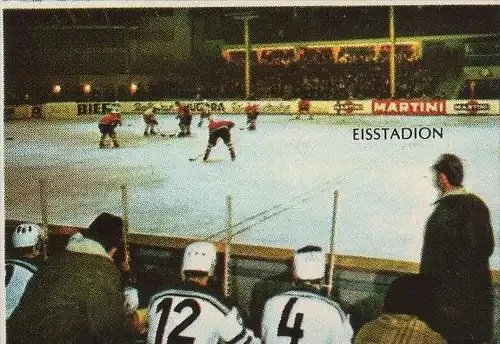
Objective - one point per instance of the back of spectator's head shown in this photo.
(409, 294)
(106, 229)
(309, 264)
(199, 260)
(451, 166)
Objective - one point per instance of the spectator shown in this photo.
(193, 312)
(407, 303)
(303, 313)
(21, 268)
(77, 296)
(457, 245)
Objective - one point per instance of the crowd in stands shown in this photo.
(317, 73)
(482, 89)
(334, 73)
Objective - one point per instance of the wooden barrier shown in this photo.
(264, 253)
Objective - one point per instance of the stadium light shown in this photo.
(56, 89)
(133, 88)
(87, 88)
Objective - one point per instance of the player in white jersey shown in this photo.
(303, 315)
(18, 271)
(193, 313)
(150, 120)
(204, 112)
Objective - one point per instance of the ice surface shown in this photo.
(285, 173)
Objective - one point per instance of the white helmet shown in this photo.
(309, 263)
(26, 235)
(199, 256)
(131, 300)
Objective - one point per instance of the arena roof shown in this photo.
(280, 24)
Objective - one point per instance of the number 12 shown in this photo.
(174, 336)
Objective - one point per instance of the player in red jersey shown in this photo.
(304, 108)
(185, 118)
(222, 129)
(107, 125)
(252, 112)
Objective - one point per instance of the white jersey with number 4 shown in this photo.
(192, 317)
(303, 317)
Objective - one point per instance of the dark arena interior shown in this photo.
(351, 107)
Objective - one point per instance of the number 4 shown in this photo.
(295, 332)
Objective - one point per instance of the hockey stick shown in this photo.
(169, 133)
(45, 218)
(227, 243)
(126, 263)
(196, 157)
(331, 264)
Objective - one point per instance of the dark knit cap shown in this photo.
(106, 229)
(409, 294)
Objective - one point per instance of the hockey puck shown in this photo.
(10, 138)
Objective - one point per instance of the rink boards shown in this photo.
(359, 281)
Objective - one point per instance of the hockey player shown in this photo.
(304, 108)
(19, 270)
(149, 117)
(193, 313)
(205, 112)
(303, 315)
(107, 125)
(252, 112)
(222, 129)
(185, 118)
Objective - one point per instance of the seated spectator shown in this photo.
(20, 268)
(194, 312)
(303, 314)
(404, 317)
(76, 296)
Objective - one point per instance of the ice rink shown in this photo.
(281, 184)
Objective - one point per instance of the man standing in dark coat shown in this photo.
(455, 257)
